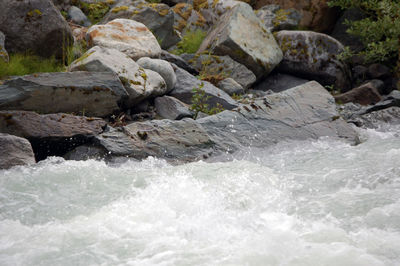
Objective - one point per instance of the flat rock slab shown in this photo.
(15, 151)
(95, 94)
(365, 94)
(171, 108)
(241, 35)
(128, 36)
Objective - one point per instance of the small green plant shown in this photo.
(379, 31)
(94, 11)
(199, 102)
(190, 42)
(23, 64)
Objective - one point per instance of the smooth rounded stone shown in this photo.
(139, 83)
(241, 35)
(158, 17)
(36, 26)
(3, 52)
(94, 93)
(51, 134)
(313, 55)
(128, 36)
(230, 86)
(365, 94)
(186, 83)
(15, 151)
(222, 66)
(171, 108)
(278, 82)
(316, 15)
(76, 15)
(162, 67)
(179, 61)
(274, 18)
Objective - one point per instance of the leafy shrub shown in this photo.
(199, 103)
(379, 31)
(190, 42)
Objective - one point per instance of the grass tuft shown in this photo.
(191, 42)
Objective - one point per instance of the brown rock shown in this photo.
(366, 94)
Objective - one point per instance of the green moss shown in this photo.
(94, 11)
(191, 42)
(119, 8)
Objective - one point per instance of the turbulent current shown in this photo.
(317, 202)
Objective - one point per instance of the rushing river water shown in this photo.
(320, 202)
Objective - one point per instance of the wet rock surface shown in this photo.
(15, 151)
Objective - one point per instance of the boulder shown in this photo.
(378, 119)
(96, 94)
(3, 52)
(162, 67)
(171, 108)
(313, 55)
(128, 36)
(231, 87)
(379, 71)
(365, 94)
(241, 35)
(76, 15)
(179, 61)
(316, 15)
(86, 152)
(51, 134)
(278, 82)
(36, 26)
(222, 66)
(139, 83)
(15, 151)
(186, 83)
(157, 17)
(274, 18)
(186, 18)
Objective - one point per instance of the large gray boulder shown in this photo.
(140, 83)
(51, 134)
(313, 55)
(223, 66)
(241, 35)
(186, 83)
(171, 108)
(156, 16)
(128, 36)
(76, 15)
(15, 151)
(304, 112)
(162, 67)
(36, 26)
(96, 94)
(3, 52)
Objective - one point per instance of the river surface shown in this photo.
(320, 202)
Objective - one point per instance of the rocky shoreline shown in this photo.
(260, 79)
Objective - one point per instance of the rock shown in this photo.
(139, 83)
(379, 119)
(3, 52)
(156, 16)
(231, 87)
(186, 18)
(393, 99)
(316, 15)
(179, 61)
(312, 55)
(182, 140)
(186, 83)
(52, 134)
(95, 94)
(278, 82)
(36, 26)
(171, 108)
(365, 94)
(241, 35)
(15, 151)
(76, 15)
(222, 66)
(162, 67)
(274, 18)
(128, 36)
(341, 27)
(304, 112)
(379, 71)
(86, 152)
(360, 74)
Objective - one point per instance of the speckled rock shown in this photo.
(128, 36)
(241, 35)
(274, 18)
(140, 83)
(313, 55)
(15, 151)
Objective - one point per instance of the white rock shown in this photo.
(162, 67)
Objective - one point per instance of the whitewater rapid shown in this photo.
(317, 202)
